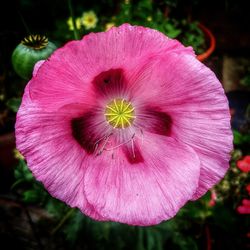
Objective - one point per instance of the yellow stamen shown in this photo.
(120, 113)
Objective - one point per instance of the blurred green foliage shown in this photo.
(154, 14)
(13, 103)
(150, 14)
(245, 81)
(240, 138)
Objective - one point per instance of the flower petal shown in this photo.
(243, 210)
(53, 155)
(153, 120)
(244, 164)
(193, 97)
(69, 73)
(37, 67)
(143, 192)
(126, 43)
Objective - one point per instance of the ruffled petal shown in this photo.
(147, 191)
(58, 82)
(126, 43)
(69, 73)
(194, 99)
(54, 157)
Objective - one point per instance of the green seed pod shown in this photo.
(31, 50)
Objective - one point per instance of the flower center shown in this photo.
(120, 113)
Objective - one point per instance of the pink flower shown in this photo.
(244, 164)
(127, 125)
(245, 207)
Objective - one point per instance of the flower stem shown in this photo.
(23, 22)
(76, 35)
(16, 183)
(62, 221)
(140, 245)
(208, 236)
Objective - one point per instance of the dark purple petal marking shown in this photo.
(157, 122)
(111, 81)
(82, 133)
(132, 154)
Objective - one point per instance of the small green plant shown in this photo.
(245, 81)
(148, 14)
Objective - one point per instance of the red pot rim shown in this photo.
(212, 42)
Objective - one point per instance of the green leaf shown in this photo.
(22, 172)
(74, 227)
(13, 104)
(237, 137)
(240, 139)
(245, 81)
(30, 196)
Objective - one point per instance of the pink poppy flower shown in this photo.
(245, 207)
(244, 164)
(127, 125)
